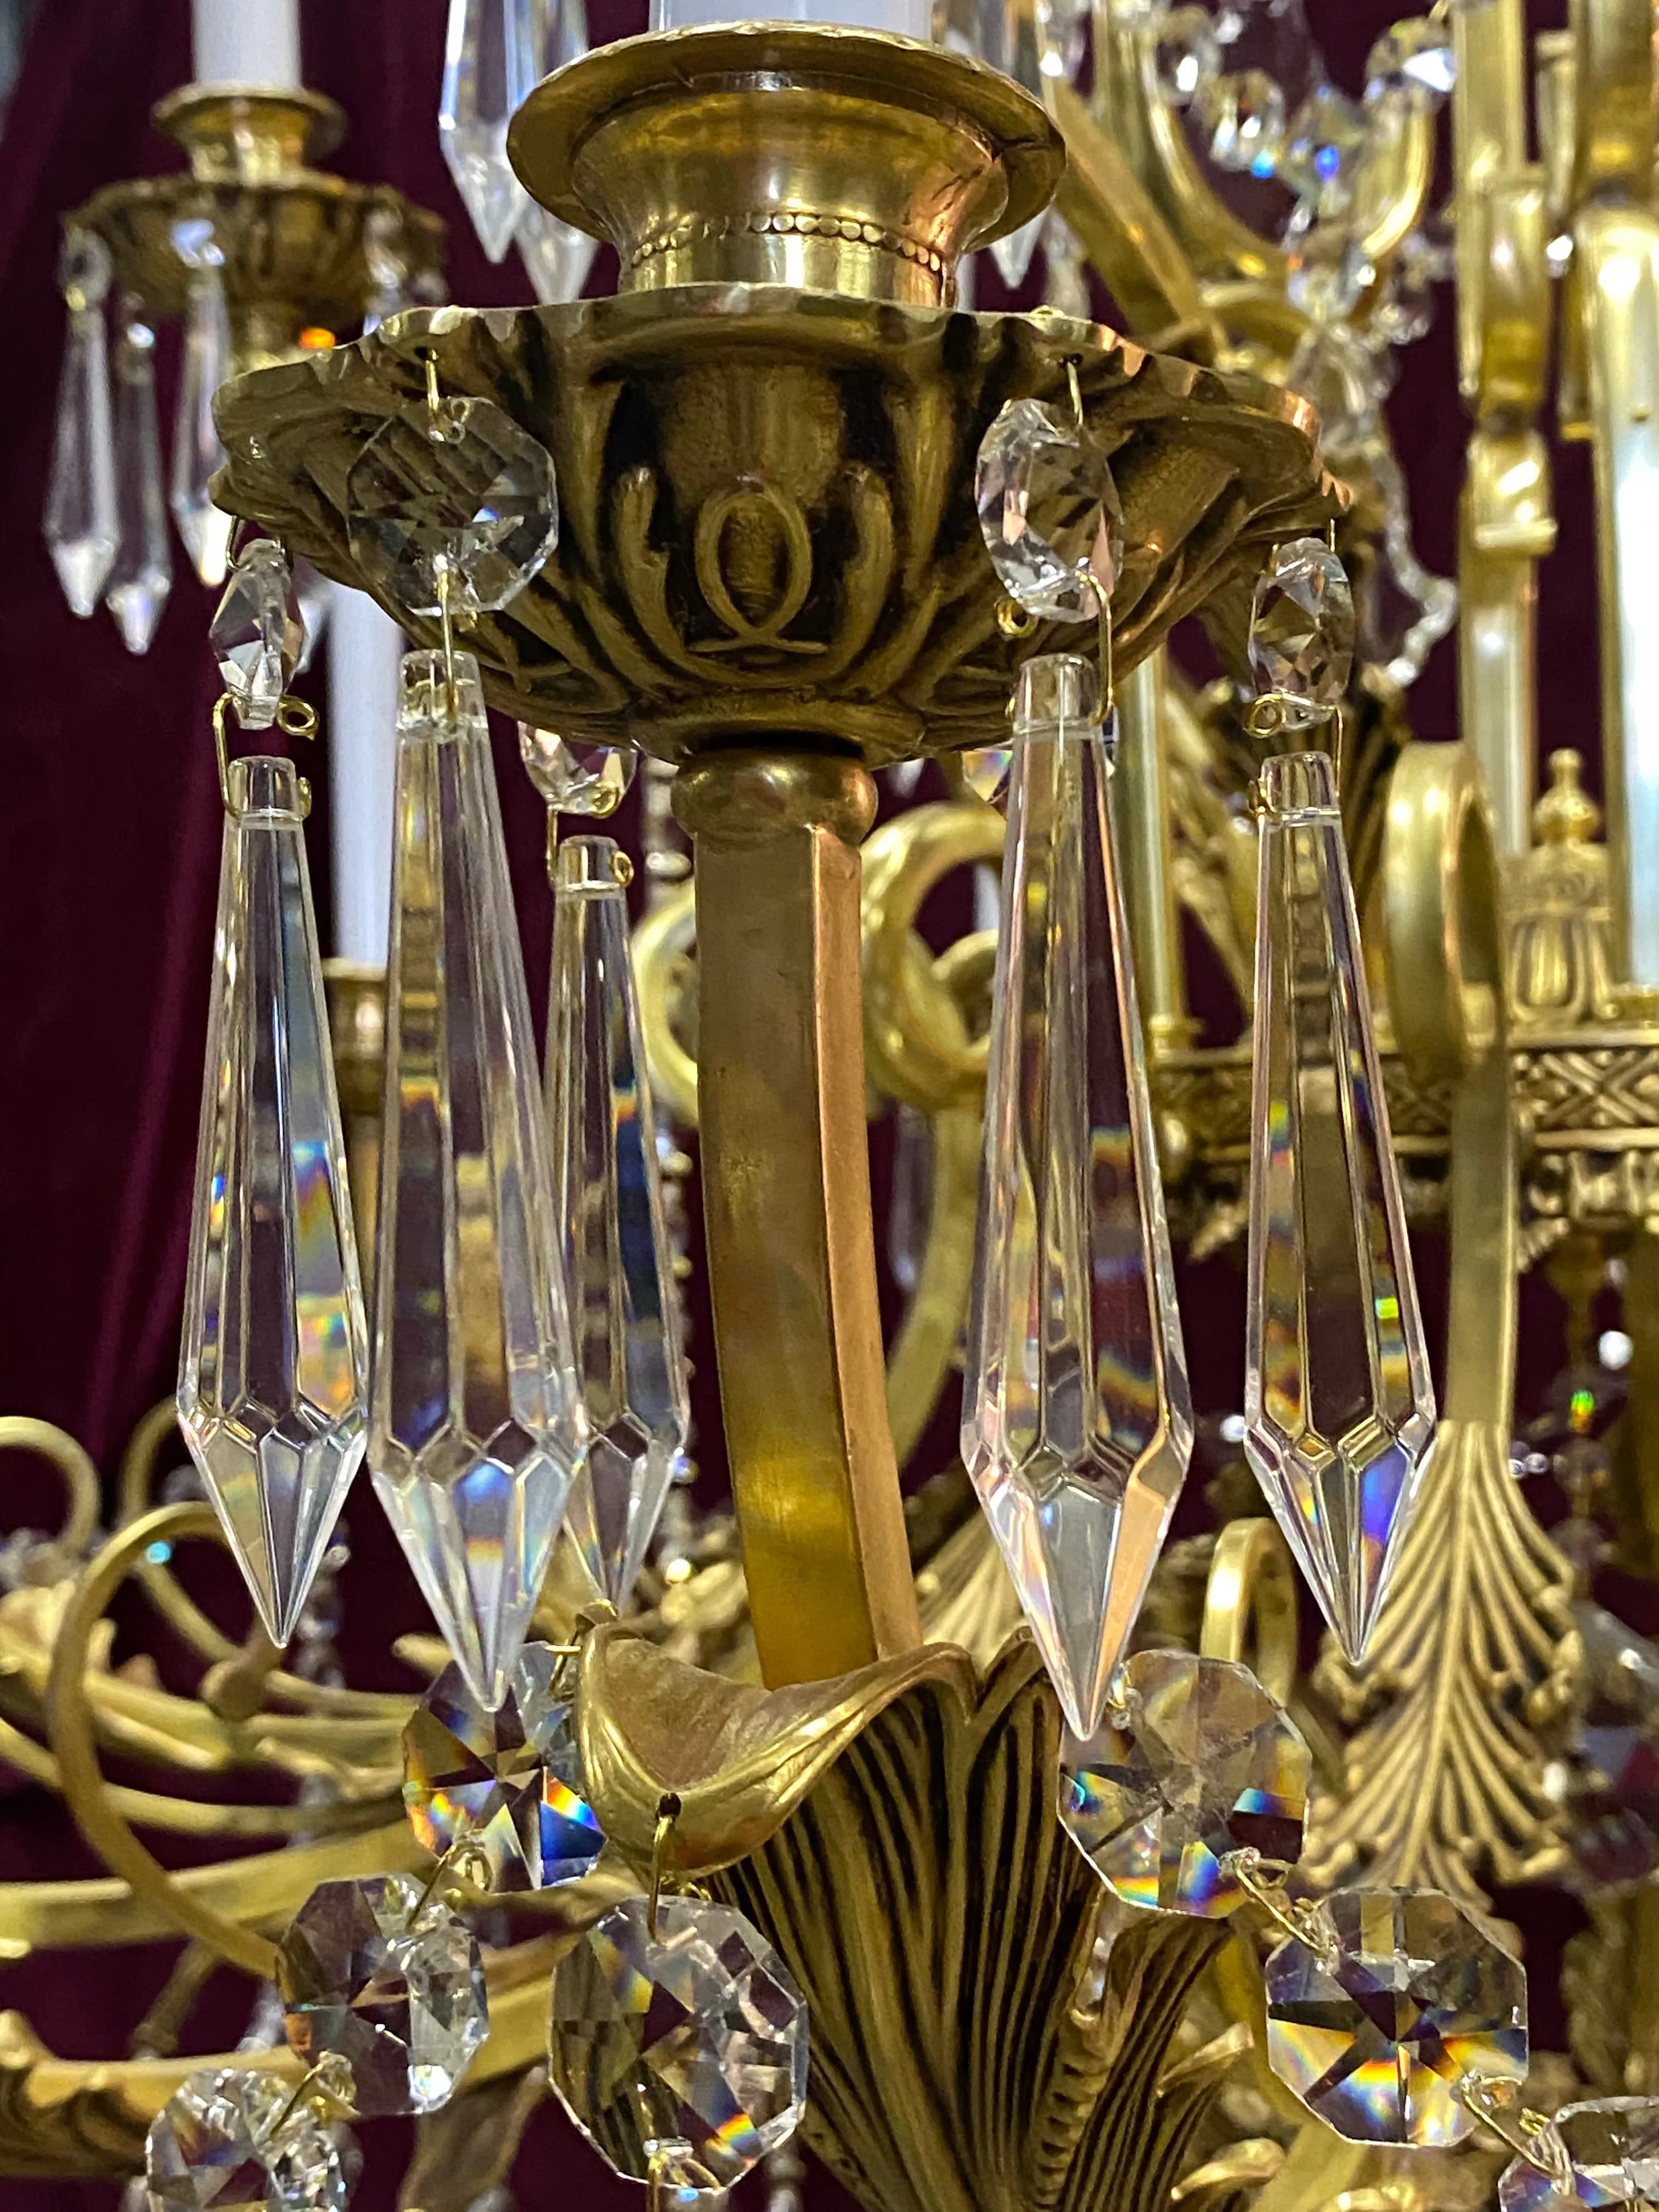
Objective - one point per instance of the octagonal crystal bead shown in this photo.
(460, 505)
(574, 778)
(395, 1986)
(1049, 512)
(508, 1781)
(1611, 2144)
(1201, 1762)
(682, 2058)
(258, 634)
(1302, 628)
(1410, 1995)
(230, 2141)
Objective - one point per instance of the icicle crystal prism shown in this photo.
(1339, 1408)
(686, 2050)
(1202, 1763)
(575, 778)
(273, 1366)
(257, 634)
(509, 1781)
(1077, 1418)
(1048, 512)
(1612, 2145)
(142, 575)
(1375, 2033)
(205, 529)
(490, 67)
(607, 1194)
(477, 1426)
(81, 523)
(557, 255)
(394, 1983)
(228, 2142)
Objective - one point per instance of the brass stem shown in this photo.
(1144, 820)
(787, 1196)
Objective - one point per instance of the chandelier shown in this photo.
(1011, 1842)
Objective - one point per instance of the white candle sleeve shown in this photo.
(365, 647)
(252, 42)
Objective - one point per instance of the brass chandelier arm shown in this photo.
(920, 1360)
(22, 1432)
(662, 946)
(918, 1045)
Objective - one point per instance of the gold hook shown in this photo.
(1535, 2136)
(295, 718)
(329, 2088)
(1074, 385)
(668, 1811)
(464, 1860)
(1304, 1922)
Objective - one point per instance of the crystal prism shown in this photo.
(476, 1425)
(1416, 59)
(1302, 628)
(1066, 269)
(142, 575)
(1048, 511)
(490, 67)
(272, 1369)
(985, 771)
(205, 529)
(1244, 115)
(81, 522)
(228, 2142)
(509, 1781)
(575, 778)
(607, 1195)
(1611, 2144)
(258, 633)
(1077, 1418)
(1201, 1764)
(1339, 1408)
(1187, 54)
(557, 255)
(467, 509)
(1324, 147)
(394, 1983)
(687, 2052)
(1375, 2031)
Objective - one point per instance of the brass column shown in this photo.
(787, 1199)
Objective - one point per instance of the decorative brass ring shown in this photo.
(1250, 1605)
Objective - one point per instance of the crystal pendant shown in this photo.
(557, 255)
(142, 575)
(909, 1214)
(1066, 269)
(490, 67)
(1244, 115)
(272, 1368)
(477, 1426)
(1187, 54)
(682, 2058)
(575, 778)
(1077, 1419)
(1324, 147)
(1301, 629)
(509, 1781)
(393, 1982)
(1339, 1408)
(81, 523)
(985, 771)
(607, 1194)
(230, 2141)
(464, 510)
(205, 529)
(1415, 60)
(1048, 511)
(1201, 1764)
(258, 633)
(1375, 2030)
(1612, 2145)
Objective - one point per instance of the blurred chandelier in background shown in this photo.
(995, 1841)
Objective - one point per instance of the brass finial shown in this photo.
(1566, 814)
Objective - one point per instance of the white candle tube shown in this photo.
(252, 42)
(913, 18)
(364, 648)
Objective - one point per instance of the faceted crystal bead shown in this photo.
(1049, 510)
(490, 67)
(466, 508)
(396, 1987)
(272, 1368)
(205, 529)
(1244, 115)
(227, 2141)
(142, 575)
(557, 255)
(1416, 58)
(1077, 1418)
(1613, 2144)
(687, 2051)
(1188, 54)
(1326, 286)
(1302, 628)
(476, 1425)
(985, 771)
(257, 634)
(1202, 1763)
(509, 1781)
(575, 778)
(81, 522)
(1374, 2035)
(607, 1194)
(1339, 1407)
(1324, 147)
